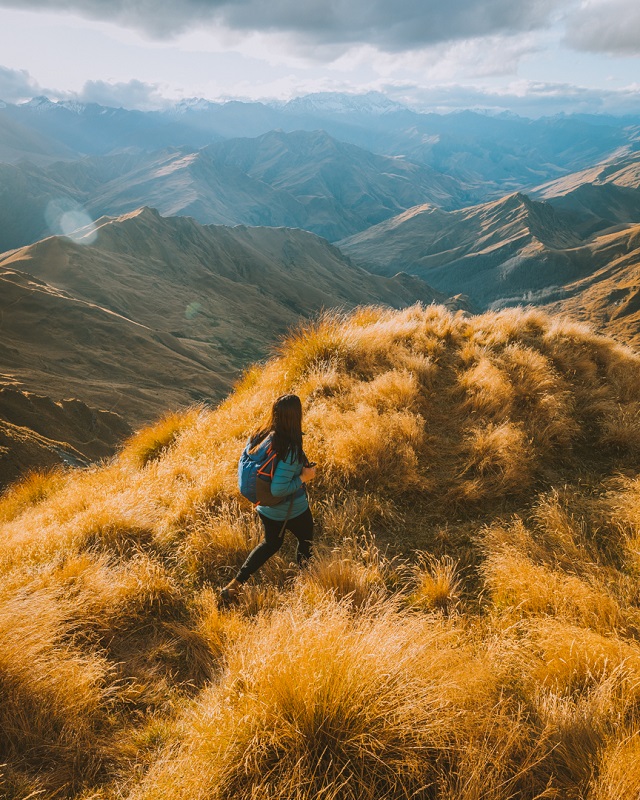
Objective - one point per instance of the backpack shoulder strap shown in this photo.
(269, 467)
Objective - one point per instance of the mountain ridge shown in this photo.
(142, 313)
(494, 154)
(519, 250)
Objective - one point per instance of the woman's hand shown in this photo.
(308, 474)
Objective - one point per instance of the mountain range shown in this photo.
(576, 244)
(305, 179)
(496, 153)
(142, 313)
(185, 241)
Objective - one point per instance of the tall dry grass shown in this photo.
(470, 625)
(317, 702)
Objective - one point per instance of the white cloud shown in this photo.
(132, 94)
(17, 85)
(527, 98)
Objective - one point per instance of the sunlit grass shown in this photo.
(29, 491)
(467, 627)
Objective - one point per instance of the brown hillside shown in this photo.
(469, 627)
(609, 296)
(55, 343)
(36, 432)
(489, 251)
(157, 313)
(623, 170)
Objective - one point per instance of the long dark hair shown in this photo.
(285, 424)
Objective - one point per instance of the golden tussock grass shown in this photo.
(54, 694)
(437, 583)
(150, 443)
(313, 706)
(572, 660)
(468, 628)
(351, 516)
(526, 588)
(29, 491)
(355, 572)
(619, 771)
(216, 543)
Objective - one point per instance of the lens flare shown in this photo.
(66, 217)
(193, 309)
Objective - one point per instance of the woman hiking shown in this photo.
(283, 436)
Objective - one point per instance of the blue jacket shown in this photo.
(286, 481)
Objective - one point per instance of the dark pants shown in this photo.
(301, 527)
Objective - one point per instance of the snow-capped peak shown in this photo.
(73, 105)
(193, 104)
(40, 103)
(342, 103)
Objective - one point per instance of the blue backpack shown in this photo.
(255, 473)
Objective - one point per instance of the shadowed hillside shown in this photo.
(176, 181)
(609, 294)
(36, 432)
(575, 253)
(20, 141)
(343, 188)
(142, 313)
(488, 251)
(469, 627)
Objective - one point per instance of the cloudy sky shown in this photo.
(528, 56)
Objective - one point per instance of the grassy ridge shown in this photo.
(468, 629)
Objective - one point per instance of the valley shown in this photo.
(151, 257)
(391, 253)
(141, 314)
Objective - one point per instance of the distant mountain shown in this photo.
(492, 155)
(508, 153)
(343, 187)
(175, 181)
(605, 195)
(159, 312)
(20, 141)
(340, 103)
(621, 170)
(186, 183)
(305, 180)
(91, 129)
(487, 251)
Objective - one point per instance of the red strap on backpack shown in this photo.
(269, 467)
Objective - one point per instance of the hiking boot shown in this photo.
(228, 596)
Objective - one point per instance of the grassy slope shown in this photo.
(469, 628)
(160, 312)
